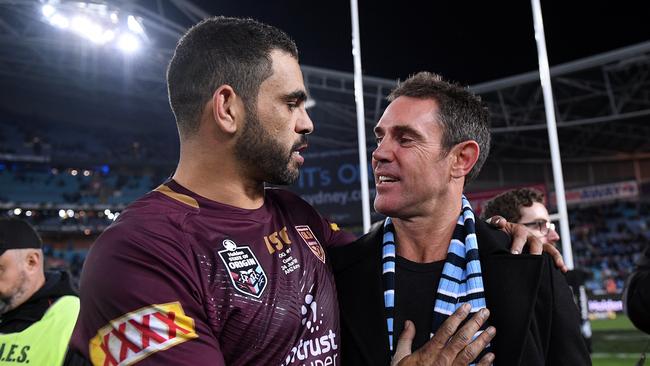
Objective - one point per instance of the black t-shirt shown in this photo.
(416, 285)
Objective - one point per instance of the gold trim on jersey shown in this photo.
(183, 198)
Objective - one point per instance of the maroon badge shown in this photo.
(312, 242)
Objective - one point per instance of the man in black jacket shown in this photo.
(38, 309)
(637, 293)
(414, 278)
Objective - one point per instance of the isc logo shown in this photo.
(277, 240)
(138, 334)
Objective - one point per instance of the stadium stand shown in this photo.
(608, 241)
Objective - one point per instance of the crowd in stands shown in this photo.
(44, 184)
(608, 240)
(62, 142)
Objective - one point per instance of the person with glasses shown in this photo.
(526, 206)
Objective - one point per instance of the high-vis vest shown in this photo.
(45, 342)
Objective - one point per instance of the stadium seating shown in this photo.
(44, 185)
(607, 240)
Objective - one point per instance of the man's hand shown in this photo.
(448, 346)
(521, 237)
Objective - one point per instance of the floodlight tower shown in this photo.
(99, 22)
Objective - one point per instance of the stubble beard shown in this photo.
(9, 302)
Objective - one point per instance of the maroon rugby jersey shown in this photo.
(182, 280)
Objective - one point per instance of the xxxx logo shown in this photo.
(138, 334)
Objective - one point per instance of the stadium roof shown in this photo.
(603, 100)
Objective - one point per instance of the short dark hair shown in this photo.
(509, 203)
(463, 116)
(218, 51)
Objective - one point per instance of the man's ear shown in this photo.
(227, 109)
(34, 260)
(465, 155)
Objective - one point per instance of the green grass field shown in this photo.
(617, 343)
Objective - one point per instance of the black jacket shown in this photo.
(57, 284)
(530, 303)
(637, 293)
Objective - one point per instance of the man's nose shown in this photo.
(304, 125)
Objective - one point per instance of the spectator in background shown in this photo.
(637, 293)
(38, 309)
(526, 206)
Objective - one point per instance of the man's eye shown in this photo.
(378, 140)
(292, 106)
(405, 140)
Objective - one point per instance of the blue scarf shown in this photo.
(461, 280)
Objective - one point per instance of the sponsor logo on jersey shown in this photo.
(277, 241)
(318, 347)
(246, 273)
(312, 242)
(136, 335)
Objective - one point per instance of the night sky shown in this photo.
(466, 41)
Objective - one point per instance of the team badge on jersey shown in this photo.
(312, 242)
(246, 273)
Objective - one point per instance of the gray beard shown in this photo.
(8, 303)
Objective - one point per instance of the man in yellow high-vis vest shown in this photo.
(38, 309)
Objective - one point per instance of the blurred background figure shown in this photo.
(526, 206)
(38, 309)
(637, 293)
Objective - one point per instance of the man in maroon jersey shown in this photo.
(211, 268)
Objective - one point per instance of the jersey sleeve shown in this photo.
(333, 235)
(141, 302)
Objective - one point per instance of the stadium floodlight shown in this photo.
(108, 36)
(128, 43)
(17, 211)
(96, 21)
(70, 213)
(87, 28)
(48, 10)
(28, 213)
(59, 21)
(134, 24)
(62, 214)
